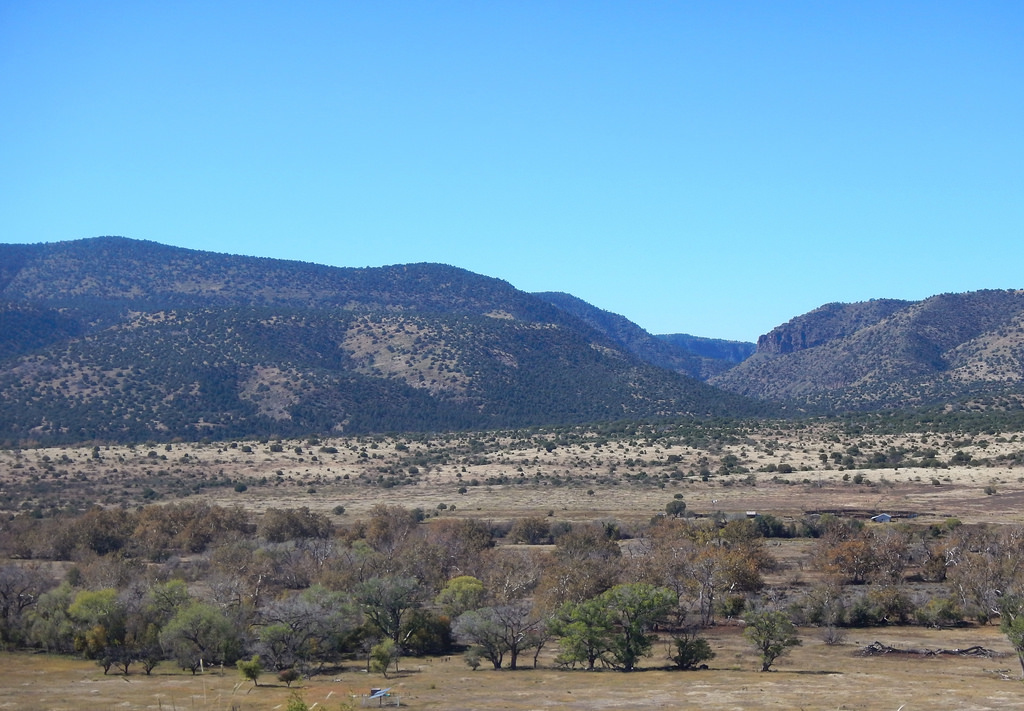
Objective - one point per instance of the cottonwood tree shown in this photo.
(244, 574)
(20, 588)
(461, 543)
(389, 532)
(200, 634)
(981, 564)
(585, 563)
(500, 629)
(701, 562)
(385, 602)
(851, 559)
(892, 555)
(461, 594)
(511, 575)
(634, 609)
(305, 628)
(613, 627)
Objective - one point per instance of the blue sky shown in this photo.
(714, 168)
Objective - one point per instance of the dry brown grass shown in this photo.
(814, 676)
(318, 480)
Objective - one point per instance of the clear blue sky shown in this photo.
(714, 168)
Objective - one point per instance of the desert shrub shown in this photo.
(473, 658)
(288, 676)
(939, 612)
(676, 508)
(280, 525)
(832, 635)
(892, 605)
(732, 606)
(862, 614)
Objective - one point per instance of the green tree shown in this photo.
(383, 655)
(461, 594)
(691, 650)
(675, 508)
(199, 634)
(772, 634)
(50, 625)
(385, 601)
(585, 632)
(100, 627)
(425, 633)
(484, 629)
(147, 615)
(1011, 624)
(306, 628)
(250, 669)
(634, 609)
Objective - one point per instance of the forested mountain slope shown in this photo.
(890, 354)
(117, 339)
(656, 350)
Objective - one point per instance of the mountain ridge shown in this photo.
(657, 350)
(159, 342)
(116, 339)
(890, 354)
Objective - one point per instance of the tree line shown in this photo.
(292, 592)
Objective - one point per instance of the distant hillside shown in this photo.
(656, 350)
(118, 339)
(731, 352)
(105, 274)
(890, 354)
(826, 323)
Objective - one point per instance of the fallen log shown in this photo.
(877, 649)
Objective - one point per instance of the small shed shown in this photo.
(882, 518)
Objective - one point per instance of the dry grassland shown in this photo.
(815, 676)
(630, 479)
(586, 479)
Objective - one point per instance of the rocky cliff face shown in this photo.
(826, 323)
(890, 354)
